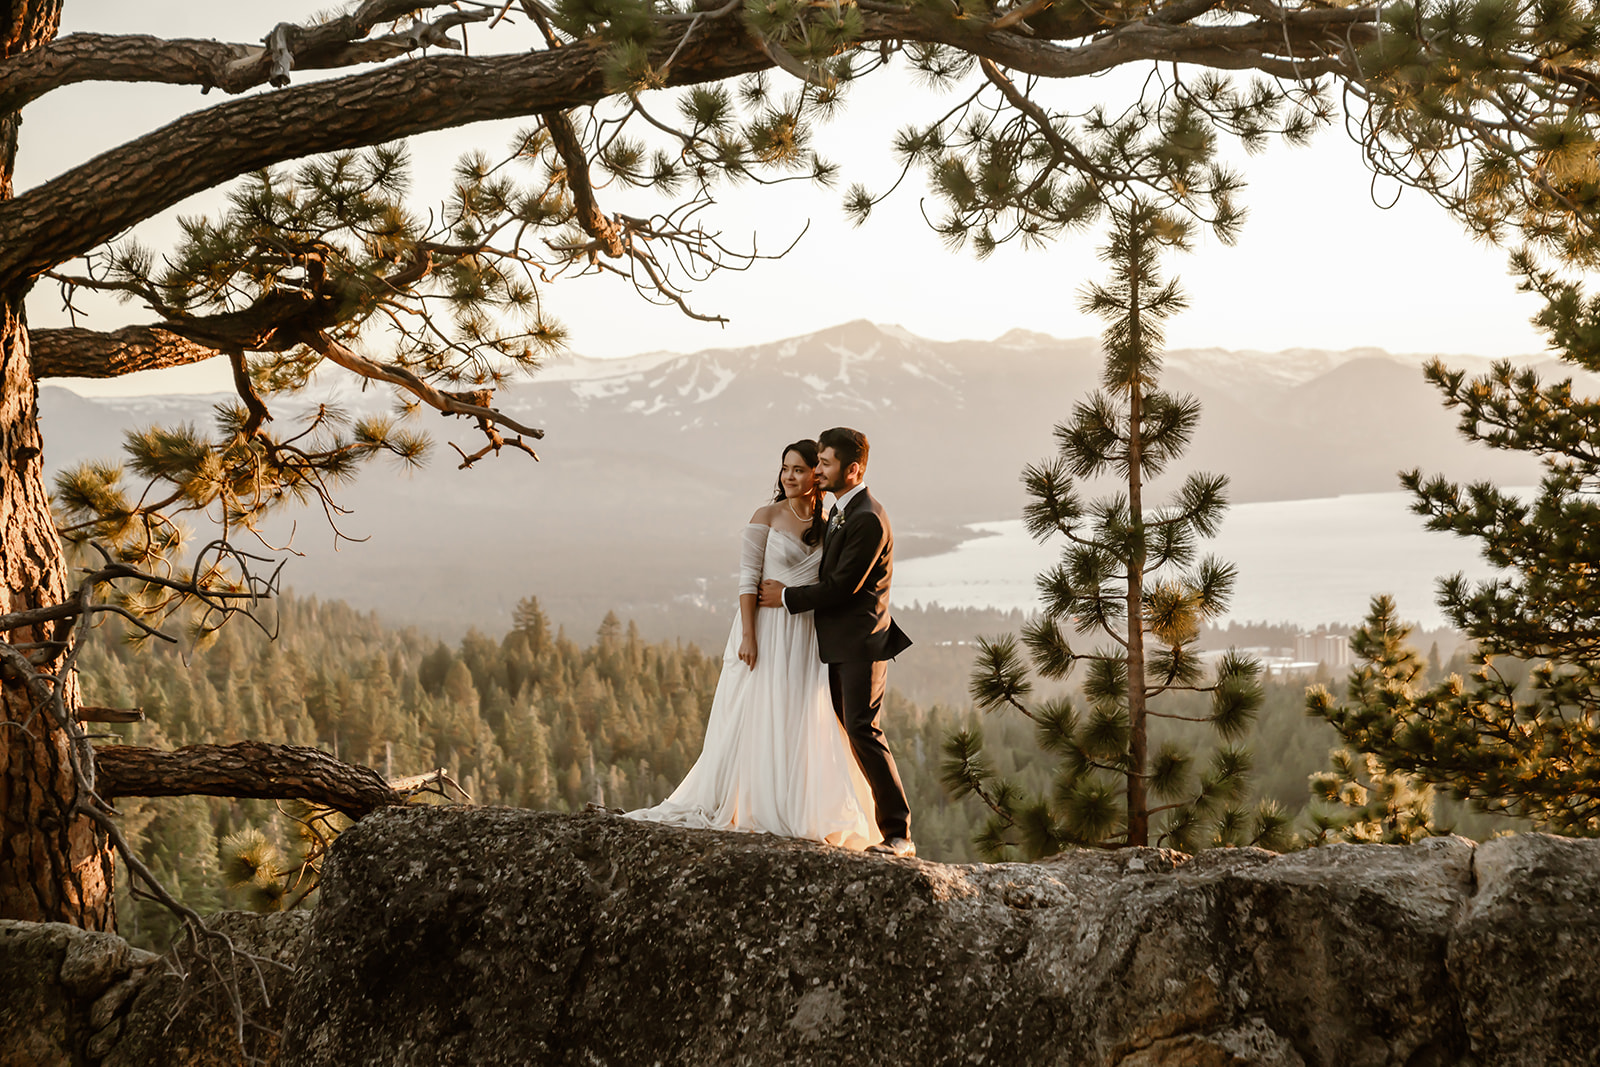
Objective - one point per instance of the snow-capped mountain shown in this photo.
(652, 464)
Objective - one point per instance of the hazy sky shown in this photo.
(1318, 264)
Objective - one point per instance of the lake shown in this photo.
(1300, 561)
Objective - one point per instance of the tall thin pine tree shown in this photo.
(1132, 576)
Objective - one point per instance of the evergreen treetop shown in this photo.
(1129, 575)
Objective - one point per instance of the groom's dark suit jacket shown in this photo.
(851, 595)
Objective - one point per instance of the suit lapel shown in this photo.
(833, 538)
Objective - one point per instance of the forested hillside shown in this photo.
(534, 717)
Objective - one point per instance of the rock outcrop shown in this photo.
(63, 992)
(1525, 954)
(496, 936)
(183, 1013)
(72, 998)
(458, 936)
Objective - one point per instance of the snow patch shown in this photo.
(847, 357)
(601, 389)
(724, 377)
(639, 406)
(1020, 338)
(586, 368)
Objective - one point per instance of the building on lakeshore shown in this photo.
(1331, 649)
(1335, 650)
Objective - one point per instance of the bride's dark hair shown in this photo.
(807, 450)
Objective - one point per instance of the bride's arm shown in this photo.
(752, 553)
(747, 616)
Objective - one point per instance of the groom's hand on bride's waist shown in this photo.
(771, 593)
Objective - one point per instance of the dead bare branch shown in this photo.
(440, 400)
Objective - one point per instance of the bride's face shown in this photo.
(797, 475)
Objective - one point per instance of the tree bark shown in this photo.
(55, 866)
(249, 769)
(73, 352)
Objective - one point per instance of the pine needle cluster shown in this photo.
(1130, 576)
(258, 873)
(1008, 165)
(1357, 800)
(1451, 110)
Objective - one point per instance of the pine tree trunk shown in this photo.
(53, 867)
(1138, 742)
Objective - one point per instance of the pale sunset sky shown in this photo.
(1318, 265)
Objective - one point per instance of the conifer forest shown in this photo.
(534, 717)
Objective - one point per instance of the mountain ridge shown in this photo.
(653, 463)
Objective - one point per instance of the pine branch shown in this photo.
(69, 215)
(246, 770)
(444, 402)
(232, 67)
(78, 353)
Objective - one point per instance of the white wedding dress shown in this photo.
(775, 759)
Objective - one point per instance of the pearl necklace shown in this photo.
(798, 516)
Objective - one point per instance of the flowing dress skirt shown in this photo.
(776, 759)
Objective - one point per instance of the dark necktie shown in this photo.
(833, 513)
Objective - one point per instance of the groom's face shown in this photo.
(833, 476)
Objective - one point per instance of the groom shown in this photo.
(855, 635)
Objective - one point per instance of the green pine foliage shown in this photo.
(324, 261)
(532, 718)
(1519, 733)
(1357, 800)
(1450, 111)
(1129, 576)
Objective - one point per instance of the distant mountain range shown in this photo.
(653, 463)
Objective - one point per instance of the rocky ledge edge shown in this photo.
(491, 936)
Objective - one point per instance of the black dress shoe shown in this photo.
(894, 846)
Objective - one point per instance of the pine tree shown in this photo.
(529, 620)
(1521, 734)
(1129, 574)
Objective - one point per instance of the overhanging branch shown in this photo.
(78, 353)
(72, 214)
(473, 404)
(231, 66)
(247, 769)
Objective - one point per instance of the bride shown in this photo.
(775, 758)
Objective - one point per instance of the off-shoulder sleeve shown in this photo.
(751, 554)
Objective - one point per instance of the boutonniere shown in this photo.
(837, 522)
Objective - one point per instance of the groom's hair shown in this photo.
(849, 445)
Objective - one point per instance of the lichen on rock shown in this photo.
(496, 936)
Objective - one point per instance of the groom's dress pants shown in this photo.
(857, 690)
